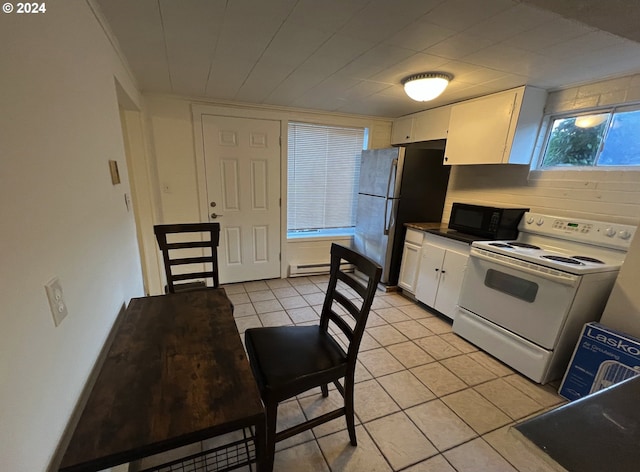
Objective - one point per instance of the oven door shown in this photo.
(530, 300)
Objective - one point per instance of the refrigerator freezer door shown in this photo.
(370, 238)
(379, 172)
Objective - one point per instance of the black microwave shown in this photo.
(486, 222)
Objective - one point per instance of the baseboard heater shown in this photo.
(313, 268)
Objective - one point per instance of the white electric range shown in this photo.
(525, 301)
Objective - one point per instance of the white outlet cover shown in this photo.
(56, 300)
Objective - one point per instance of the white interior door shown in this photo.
(242, 167)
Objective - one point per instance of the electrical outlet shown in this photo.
(56, 300)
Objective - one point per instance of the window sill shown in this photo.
(321, 235)
(586, 169)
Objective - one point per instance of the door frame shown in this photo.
(198, 111)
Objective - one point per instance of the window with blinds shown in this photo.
(323, 175)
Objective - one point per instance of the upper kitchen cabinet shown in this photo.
(402, 130)
(427, 125)
(497, 129)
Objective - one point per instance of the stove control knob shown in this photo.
(530, 220)
(540, 222)
(611, 232)
(624, 234)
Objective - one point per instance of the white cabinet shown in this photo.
(426, 125)
(411, 254)
(442, 265)
(431, 124)
(501, 128)
(402, 130)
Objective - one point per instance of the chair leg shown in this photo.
(349, 410)
(325, 390)
(271, 410)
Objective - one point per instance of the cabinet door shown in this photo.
(402, 130)
(478, 130)
(409, 267)
(429, 274)
(431, 124)
(451, 277)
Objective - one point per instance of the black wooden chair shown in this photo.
(181, 239)
(289, 360)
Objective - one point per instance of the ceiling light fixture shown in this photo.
(426, 85)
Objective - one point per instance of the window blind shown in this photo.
(323, 175)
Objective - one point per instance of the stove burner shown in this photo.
(524, 245)
(567, 260)
(501, 245)
(588, 259)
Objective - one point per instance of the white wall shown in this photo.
(171, 127)
(61, 216)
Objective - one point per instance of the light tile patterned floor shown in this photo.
(426, 400)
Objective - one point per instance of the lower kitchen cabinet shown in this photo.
(411, 254)
(442, 265)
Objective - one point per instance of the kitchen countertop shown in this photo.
(441, 229)
(596, 433)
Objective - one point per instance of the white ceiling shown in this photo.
(350, 55)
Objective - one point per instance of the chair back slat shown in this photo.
(337, 293)
(210, 238)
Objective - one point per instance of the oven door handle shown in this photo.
(555, 276)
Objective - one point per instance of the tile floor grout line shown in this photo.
(522, 388)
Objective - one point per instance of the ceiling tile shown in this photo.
(507, 58)
(141, 37)
(508, 23)
(292, 87)
(294, 43)
(602, 15)
(412, 65)
(420, 35)
(261, 82)
(459, 15)
(459, 46)
(226, 77)
(351, 55)
(554, 31)
(381, 19)
(327, 15)
(191, 31)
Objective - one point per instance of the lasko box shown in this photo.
(602, 357)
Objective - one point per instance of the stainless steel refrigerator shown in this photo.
(397, 186)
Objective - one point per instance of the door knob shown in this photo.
(215, 215)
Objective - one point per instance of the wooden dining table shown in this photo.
(175, 374)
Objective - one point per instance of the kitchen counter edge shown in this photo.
(441, 229)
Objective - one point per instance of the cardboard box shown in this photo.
(602, 357)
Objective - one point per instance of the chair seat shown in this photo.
(288, 360)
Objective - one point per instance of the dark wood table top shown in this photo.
(176, 373)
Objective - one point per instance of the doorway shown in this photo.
(242, 178)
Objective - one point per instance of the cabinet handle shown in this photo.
(444, 271)
(437, 269)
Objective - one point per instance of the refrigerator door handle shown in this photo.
(392, 172)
